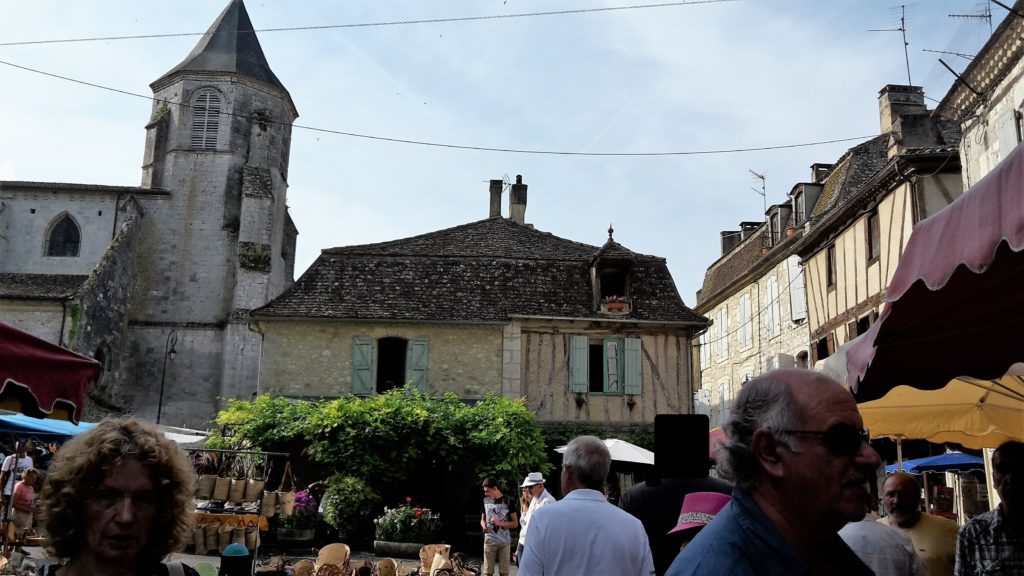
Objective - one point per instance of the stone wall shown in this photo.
(27, 216)
(102, 309)
(41, 318)
(314, 358)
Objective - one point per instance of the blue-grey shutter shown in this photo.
(579, 363)
(633, 371)
(416, 364)
(362, 366)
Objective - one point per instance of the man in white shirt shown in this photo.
(533, 488)
(10, 472)
(583, 533)
(886, 550)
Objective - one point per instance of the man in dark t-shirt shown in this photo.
(496, 519)
(658, 506)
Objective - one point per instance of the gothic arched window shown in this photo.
(65, 238)
(205, 120)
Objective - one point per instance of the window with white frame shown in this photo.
(772, 309)
(722, 333)
(746, 339)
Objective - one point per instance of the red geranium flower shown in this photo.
(408, 498)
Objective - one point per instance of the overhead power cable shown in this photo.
(377, 24)
(453, 146)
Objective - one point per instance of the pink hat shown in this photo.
(699, 508)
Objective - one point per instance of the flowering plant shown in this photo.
(304, 515)
(609, 299)
(407, 523)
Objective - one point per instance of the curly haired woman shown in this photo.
(116, 501)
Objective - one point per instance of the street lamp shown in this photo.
(169, 352)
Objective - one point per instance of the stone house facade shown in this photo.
(754, 296)
(157, 281)
(583, 333)
(988, 102)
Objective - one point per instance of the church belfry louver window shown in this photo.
(206, 107)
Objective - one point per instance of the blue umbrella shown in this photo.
(940, 463)
(21, 425)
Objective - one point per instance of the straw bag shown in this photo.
(199, 539)
(238, 535)
(252, 536)
(441, 562)
(253, 490)
(204, 486)
(286, 497)
(210, 531)
(237, 490)
(224, 534)
(268, 506)
(221, 489)
(427, 555)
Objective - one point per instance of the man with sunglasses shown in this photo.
(800, 460)
(993, 542)
(934, 537)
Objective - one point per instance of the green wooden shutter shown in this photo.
(579, 363)
(416, 364)
(633, 372)
(362, 366)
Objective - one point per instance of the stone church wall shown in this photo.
(42, 319)
(28, 217)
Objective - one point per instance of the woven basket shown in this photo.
(199, 539)
(221, 489)
(427, 555)
(237, 490)
(224, 534)
(210, 531)
(286, 492)
(204, 486)
(252, 536)
(253, 490)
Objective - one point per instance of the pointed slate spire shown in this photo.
(230, 45)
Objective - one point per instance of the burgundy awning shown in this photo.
(41, 379)
(955, 306)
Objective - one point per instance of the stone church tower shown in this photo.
(220, 242)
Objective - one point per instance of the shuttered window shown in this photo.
(746, 332)
(362, 366)
(410, 368)
(773, 310)
(416, 366)
(206, 108)
(611, 366)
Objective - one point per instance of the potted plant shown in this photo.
(301, 525)
(402, 531)
(614, 303)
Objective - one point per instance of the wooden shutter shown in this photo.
(362, 366)
(797, 294)
(416, 364)
(579, 363)
(205, 120)
(632, 370)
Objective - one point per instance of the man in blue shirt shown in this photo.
(799, 457)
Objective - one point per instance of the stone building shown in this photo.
(157, 281)
(988, 102)
(584, 333)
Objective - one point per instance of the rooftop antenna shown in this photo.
(986, 14)
(964, 56)
(762, 192)
(903, 29)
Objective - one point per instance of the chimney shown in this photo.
(496, 189)
(896, 99)
(819, 171)
(517, 201)
(730, 240)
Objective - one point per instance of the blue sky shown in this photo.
(724, 75)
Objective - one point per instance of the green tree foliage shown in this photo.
(350, 505)
(395, 441)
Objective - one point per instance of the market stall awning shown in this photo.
(622, 451)
(44, 429)
(971, 412)
(41, 379)
(952, 461)
(955, 305)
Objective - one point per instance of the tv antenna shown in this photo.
(903, 30)
(985, 14)
(964, 56)
(762, 191)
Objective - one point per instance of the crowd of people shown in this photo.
(116, 500)
(798, 502)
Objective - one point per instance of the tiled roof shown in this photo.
(731, 266)
(855, 168)
(485, 271)
(39, 286)
(15, 186)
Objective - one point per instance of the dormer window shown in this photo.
(610, 274)
(798, 208)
